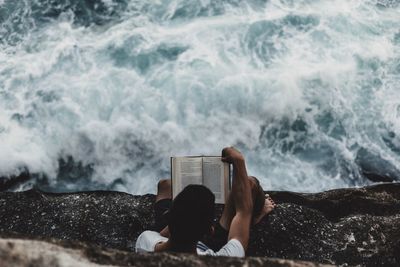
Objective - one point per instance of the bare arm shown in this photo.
(165, 232)
(241, 194)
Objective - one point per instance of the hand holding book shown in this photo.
(231, 154)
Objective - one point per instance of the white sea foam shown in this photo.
(300, 86)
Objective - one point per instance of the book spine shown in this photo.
(202, 170)
(172, 188)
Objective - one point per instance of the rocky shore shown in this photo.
(342, 227)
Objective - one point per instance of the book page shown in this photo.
(185, 171)
(215, 177)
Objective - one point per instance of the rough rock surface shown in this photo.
(19, 253)
(33, 253)
(344, 226)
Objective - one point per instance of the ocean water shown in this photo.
(98, 94)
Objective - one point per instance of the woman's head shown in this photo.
(191, 215)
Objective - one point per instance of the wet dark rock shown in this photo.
(345, 226)
(109, 219)
(353, 226)
(12, 181)
(375, 168)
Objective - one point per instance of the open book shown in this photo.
(208, 171)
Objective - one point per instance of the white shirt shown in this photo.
(147, 241)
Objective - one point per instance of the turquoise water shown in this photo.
(98, 94)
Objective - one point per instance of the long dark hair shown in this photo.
(190, 217)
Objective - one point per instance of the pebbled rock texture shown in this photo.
(344, 226)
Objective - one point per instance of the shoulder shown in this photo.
(148, 240)
(232, 249)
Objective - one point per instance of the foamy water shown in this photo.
(101, 95)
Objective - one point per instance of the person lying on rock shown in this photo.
(189, 218)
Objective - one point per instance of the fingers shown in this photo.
(231, 153)
(226, 151)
